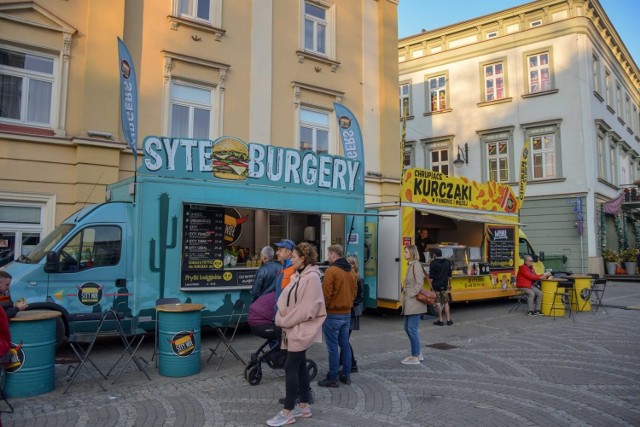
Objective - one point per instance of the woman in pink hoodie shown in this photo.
(301, 312)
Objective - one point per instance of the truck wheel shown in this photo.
(61, 332)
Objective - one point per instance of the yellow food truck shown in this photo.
(474, 224)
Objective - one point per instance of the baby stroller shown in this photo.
(260, 319)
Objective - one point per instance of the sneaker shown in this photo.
(438, 323)
(411, 360)
(421, 357)
(281, 419)
(354, 367)
(327, 382)
(538, 313)
(301, 412)
(449, 322)
(344, 379)
(530, 313)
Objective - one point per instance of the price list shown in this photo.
(203, 238)
(502, 247)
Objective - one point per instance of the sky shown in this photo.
(415, 15)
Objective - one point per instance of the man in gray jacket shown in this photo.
(266, 274)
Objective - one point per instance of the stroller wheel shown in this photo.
(247, 368)
(312, 368)
(254, 375)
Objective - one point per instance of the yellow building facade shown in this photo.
(264, 71)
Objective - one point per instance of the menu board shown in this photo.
(502, 247)
(203, 245)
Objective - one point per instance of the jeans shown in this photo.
(296, 378)
(411, 323)
(532, 293)
(336, 334)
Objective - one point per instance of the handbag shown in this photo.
(425, 296)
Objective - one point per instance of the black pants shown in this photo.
(296, 378)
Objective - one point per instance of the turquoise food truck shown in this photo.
(190, 225)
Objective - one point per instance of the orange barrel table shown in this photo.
(548, 287)
(179, 339)
(31, 370)
(582, 287)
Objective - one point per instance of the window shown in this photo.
(595, 68)
(627, 109)
(440, 160)
(26, 82)
(315, 28)
(539, 72)
(437, 87)
(535, 23)
(498, 161)
(191, 110)
(314, 130)
(405, 99)
(494, 87)
(543, 155)
(195, 9)
(492, 35)
(92, 247)
(602, 157)
(608, 88)
(619, 100)
(611, 157)
(625, 167)
(408, 161)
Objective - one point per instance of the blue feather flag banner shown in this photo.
(128, 99)
(351, 138)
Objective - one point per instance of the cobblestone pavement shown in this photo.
(506, 369)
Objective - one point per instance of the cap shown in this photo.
(286, 243)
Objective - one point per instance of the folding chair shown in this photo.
(520, 298)
(82, 343)
(597, 292)
(160, 301)
(223, 329)
(131, 337)
(566, 290)
(3, 397)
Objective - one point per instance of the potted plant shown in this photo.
(629, 257)
(610, 260)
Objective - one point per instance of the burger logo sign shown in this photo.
(231, 159)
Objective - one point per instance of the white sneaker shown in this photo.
(421, 357)
(411, 360)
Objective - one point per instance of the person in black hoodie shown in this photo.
(439, 274)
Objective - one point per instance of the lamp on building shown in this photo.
(463, 156)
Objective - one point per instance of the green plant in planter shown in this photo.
(629, 255)
(609, 255)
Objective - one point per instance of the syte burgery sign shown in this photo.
(231, 159)
(435, 188)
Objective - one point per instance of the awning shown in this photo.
(468, 216)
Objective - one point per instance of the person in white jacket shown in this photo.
(301, 313)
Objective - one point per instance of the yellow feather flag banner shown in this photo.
(524, 172)
(403, 139)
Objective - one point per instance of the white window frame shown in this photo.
(497, 159)
(440, 164)
(551, 156)
(596, 72)
(191, 105)
(405, 96)
(438, 90)
(539, 68)
(612, 160)
(619, 103)
(627, 109)
(330, 28)
(608, 81)
(494, 79)
(27, 76)
(215, 12)
(410, 153)
(625, 166)
(496, 136)
(314, 126)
